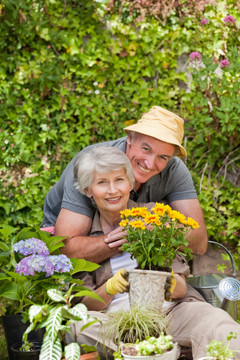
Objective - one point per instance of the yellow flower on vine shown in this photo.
(138, 224)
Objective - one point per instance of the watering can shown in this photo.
(217, 289)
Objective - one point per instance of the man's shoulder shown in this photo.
(120, 143)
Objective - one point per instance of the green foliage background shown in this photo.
(73, 73)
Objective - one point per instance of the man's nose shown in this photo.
(150, 161)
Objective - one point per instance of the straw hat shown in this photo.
(162, 125)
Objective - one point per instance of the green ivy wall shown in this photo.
(73, 73)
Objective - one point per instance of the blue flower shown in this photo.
(31, 246)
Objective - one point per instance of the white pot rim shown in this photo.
(149, 271)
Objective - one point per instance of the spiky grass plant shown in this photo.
(137, 323)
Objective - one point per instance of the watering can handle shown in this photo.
(229, 254)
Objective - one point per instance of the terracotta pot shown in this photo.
(89, 356)
(147, 287)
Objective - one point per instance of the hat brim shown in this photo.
(142, 129)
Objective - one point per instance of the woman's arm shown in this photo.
(180, 288)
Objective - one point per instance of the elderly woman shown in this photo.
(105, 175)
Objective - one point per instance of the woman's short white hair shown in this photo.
(101, 159)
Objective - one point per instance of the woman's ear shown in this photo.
(88, 193)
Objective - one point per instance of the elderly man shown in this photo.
(152, 145)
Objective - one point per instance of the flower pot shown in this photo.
(26, 355)
(147, 287)
(168, 355)
(14, 328)
(89, 356)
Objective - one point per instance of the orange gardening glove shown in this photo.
(118, 283)
(170, 286)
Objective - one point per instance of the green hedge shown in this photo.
(73, 73)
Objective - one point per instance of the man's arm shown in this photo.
(78, 245)
(198, 237)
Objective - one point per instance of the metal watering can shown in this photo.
(217, 289)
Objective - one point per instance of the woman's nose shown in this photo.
(112, 188)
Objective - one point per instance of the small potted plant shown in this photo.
(135, 324)
(152, 348)
(31, 263)
(153, 238)
(217, 350)
(56, 318)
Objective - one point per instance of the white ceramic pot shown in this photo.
(210, 358)
(147, 287)
(169, 355)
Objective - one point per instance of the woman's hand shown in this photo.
(118, 283)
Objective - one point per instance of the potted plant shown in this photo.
(135, 324)
(217, 350)
(153, 238)
(56, 318)
(31, 263)
(152, 348)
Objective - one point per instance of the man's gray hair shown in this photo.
(101, 159)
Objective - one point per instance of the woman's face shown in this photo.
(110, 191)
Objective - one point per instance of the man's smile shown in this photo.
(143, 169)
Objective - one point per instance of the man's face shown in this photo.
(148, 156)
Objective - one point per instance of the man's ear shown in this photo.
(129, 139)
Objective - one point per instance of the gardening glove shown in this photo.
(170, 286)
(118, 283)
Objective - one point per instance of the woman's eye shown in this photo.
(119, 179)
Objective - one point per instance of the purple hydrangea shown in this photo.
(31, 264)
(224, 63)
(46, 264)
(31, 246)
(61, 263)
(195, 55)
(204, 21)
(229, 19)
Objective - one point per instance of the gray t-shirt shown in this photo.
(174, 182)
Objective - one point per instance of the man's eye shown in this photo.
(163, 158)
(145, 148)
(101, 182)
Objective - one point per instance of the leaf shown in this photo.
(56, 295)
(72, 351)
(80, 311)
(10, 291)
(82, 265)
(50, 350)
(53, 322)
(34, 311)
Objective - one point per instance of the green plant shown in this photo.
(57, 318)
(149, 346)
(219, 351)
(28, 270)
(135, 324)
(155, 236)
